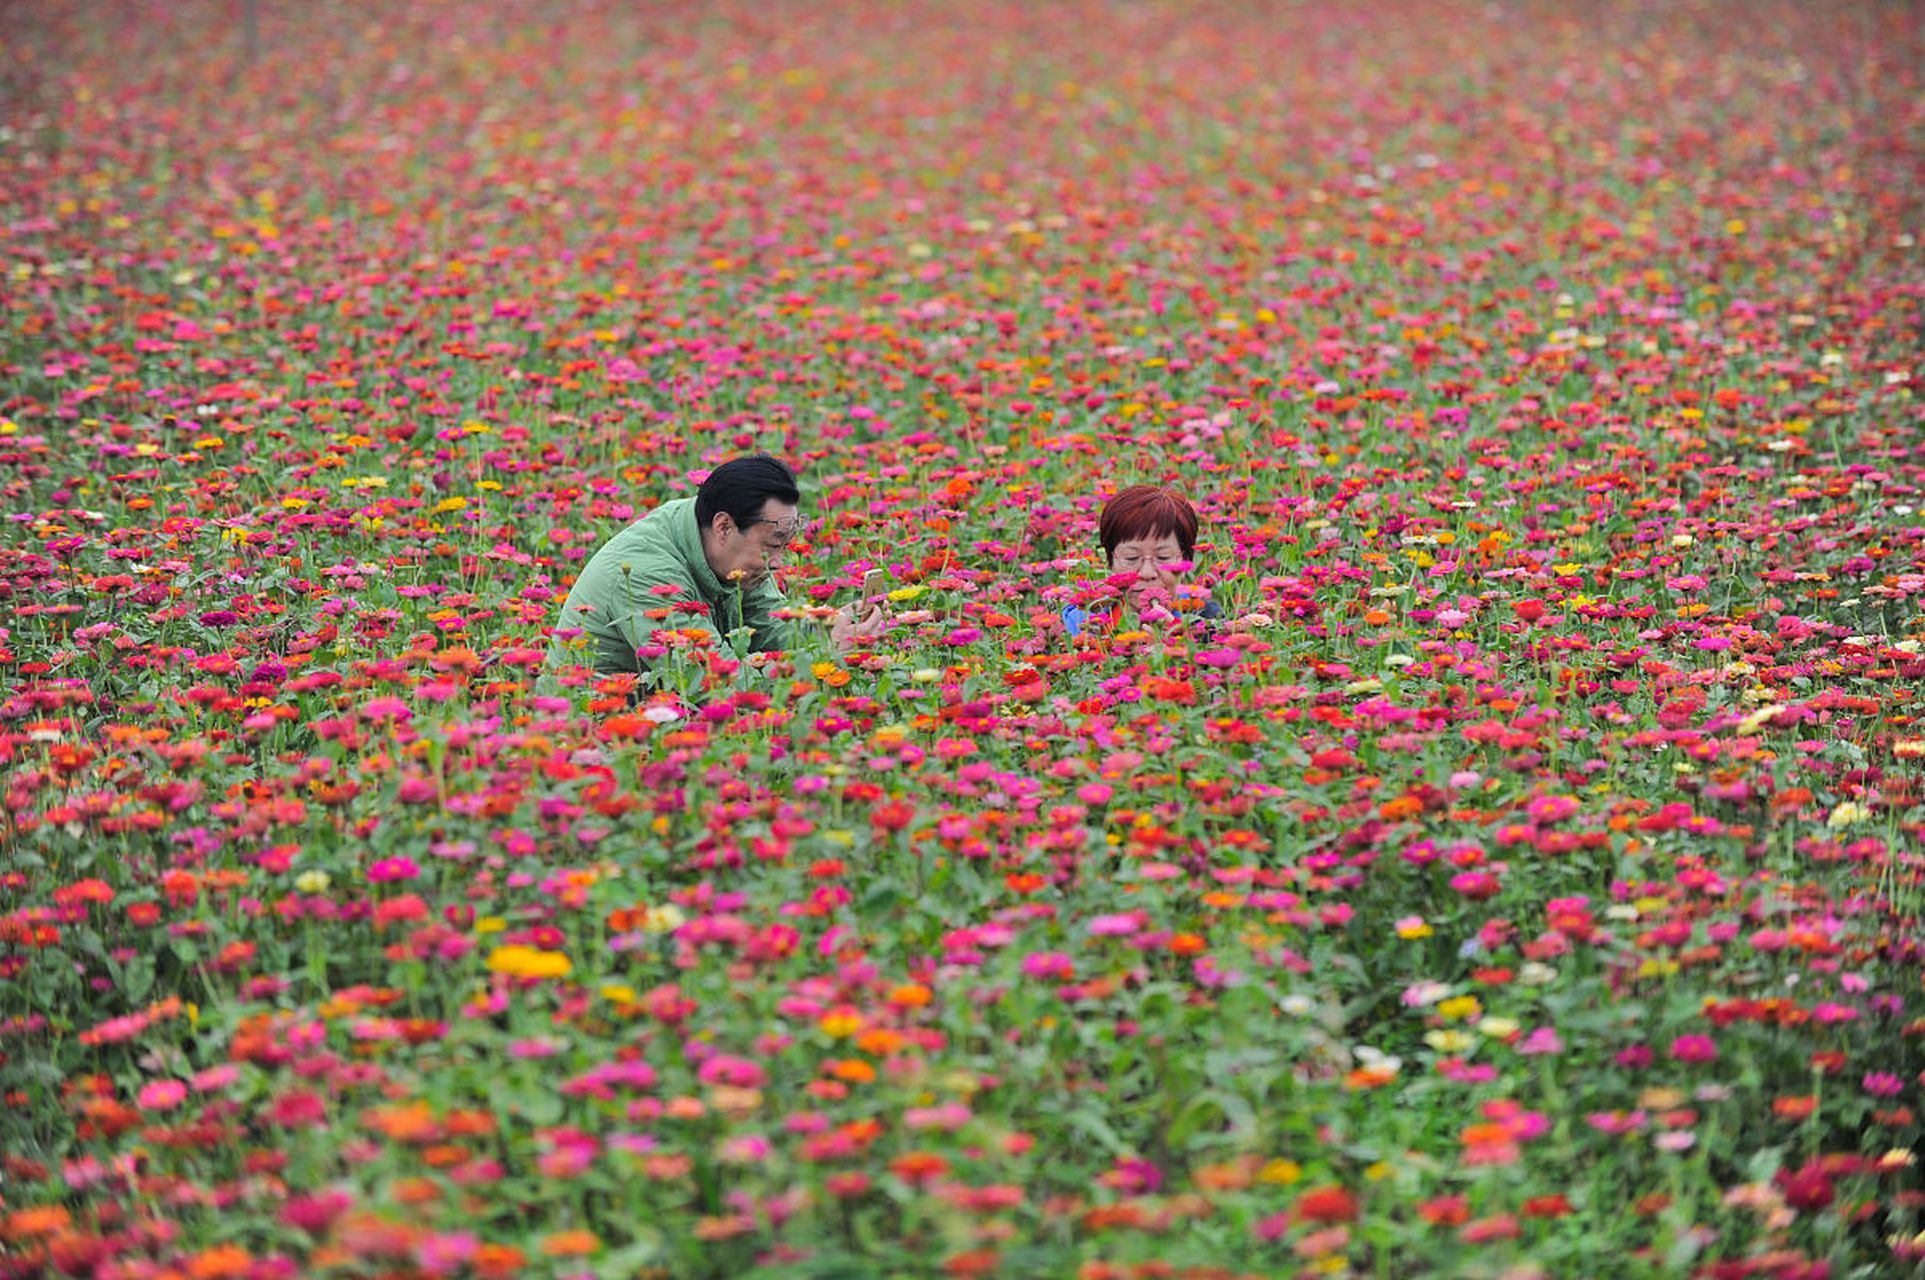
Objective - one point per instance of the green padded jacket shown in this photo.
(632, 575)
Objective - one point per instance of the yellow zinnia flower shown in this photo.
(529, 962)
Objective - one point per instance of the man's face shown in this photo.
(746, 554)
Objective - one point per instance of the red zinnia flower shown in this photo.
(1807, 1189)
(1327, 1204)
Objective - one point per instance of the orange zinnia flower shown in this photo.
(570, 1244)
(497, 1261)
(414, 1191)
(881, 1041)
(221, 1262)
(976, 1262)
(918, 1166)
(41, 1220)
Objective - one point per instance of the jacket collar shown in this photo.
(686, 538)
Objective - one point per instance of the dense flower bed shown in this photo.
(1526, 882)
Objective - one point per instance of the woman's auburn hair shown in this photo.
(1146, 511)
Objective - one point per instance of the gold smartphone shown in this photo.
(874, 583)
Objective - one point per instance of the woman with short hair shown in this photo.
(1148, 534)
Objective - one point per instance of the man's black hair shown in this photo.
(740, 486)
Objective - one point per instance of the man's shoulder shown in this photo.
(647, 547)
(657, 527)
(665, 510)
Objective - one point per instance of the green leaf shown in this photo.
(622, 1263)
(1092, 1125)
(139, 979)
(1200, 1111)
(539, 1106)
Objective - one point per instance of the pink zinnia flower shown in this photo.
(1694, 1048)
(739, 1073)
(745, 1148)
(1274, 1227)
(1134, 1176)
(443, 1253)
(216, 1077)
(162, 1095)
(297, 1109)
(1551, 808)
(948, 1116)
(1616, 1122)
(1457, 1071)
(1477, 885)
(1501, 1226)
(1883, 1084)
(1055, 965)
(1121, 925)
(314, 1214)
(1542, 1042)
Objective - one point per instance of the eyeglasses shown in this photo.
(1130, 560)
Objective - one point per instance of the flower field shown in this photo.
(1526, 880)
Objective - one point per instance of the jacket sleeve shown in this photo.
(625, 601)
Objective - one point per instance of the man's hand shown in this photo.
(847, 630)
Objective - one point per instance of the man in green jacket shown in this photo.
(704, 563)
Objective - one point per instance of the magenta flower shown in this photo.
(1053, 965)
(388, 870)
(314, 1214)
(1478, 886)
(1133, 1175)
(443, 1253)
(1884, 1084)
(739, 1073)
(1694, 1049)
(1636, 1058)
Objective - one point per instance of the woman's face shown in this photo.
(1150, 563)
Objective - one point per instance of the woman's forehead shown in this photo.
(1147, 540)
